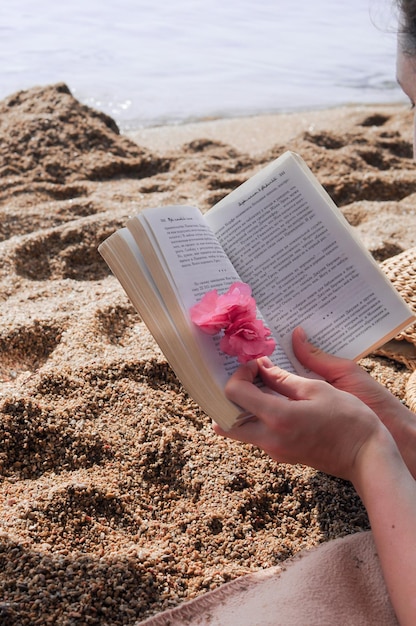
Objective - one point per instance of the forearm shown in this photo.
(388, 492)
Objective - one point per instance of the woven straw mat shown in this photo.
(401, 270)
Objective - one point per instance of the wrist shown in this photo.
(401, 423)
(376, 463)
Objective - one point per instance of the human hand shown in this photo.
(310, 422)
(343, 374)
(348, 376)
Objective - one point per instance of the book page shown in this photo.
(290, 243)
(126, 261)
(186, 260)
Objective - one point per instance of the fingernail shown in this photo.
(301, 334)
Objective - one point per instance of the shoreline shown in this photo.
(258, 132)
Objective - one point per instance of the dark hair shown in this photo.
(407, 25)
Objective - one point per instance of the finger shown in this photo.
(241, 390)
(252, 431)
(285, 383)
(247, 372)
(326, 365)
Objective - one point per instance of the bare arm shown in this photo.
(388, 492)
(313, 423)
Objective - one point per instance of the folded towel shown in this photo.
(338, 583)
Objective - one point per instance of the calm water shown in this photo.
(151, 61)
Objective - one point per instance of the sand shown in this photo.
(117, 500)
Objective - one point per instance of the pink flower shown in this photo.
(247, 339)
(215, 312)
(234, 312)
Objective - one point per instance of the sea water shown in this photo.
(147, 62)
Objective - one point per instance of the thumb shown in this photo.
(326, 365)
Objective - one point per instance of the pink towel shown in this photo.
(338, 583)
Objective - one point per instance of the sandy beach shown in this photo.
(117, 500)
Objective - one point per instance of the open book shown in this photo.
(282, 234)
